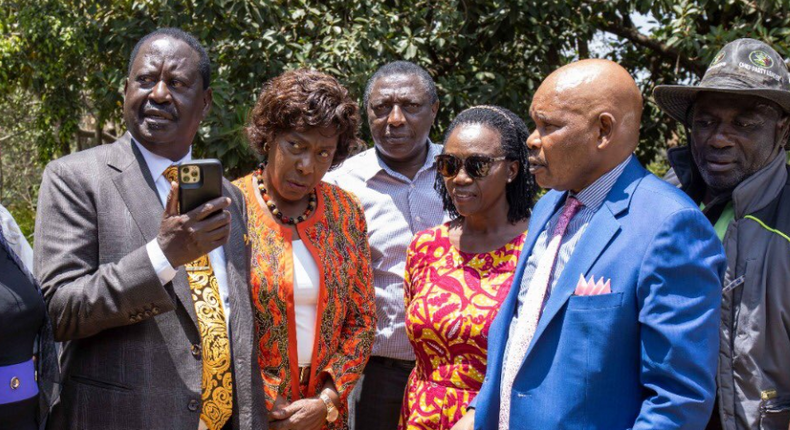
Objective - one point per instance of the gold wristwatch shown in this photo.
(331, 410)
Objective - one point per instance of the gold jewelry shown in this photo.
(311, 204)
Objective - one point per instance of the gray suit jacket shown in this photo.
(128, 359)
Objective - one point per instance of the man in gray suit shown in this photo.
(117, 265)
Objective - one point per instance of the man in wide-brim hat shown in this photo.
(735, 168)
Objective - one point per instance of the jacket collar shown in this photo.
(121, 154)
(157, 164)
(617, 198)
(594, 195)
(751, 195)
(760, 189)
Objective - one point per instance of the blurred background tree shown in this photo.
(20, 170)
(63, 62)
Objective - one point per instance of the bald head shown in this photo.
(594, 87)
(591, 110)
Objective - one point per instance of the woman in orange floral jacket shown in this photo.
(312, 285)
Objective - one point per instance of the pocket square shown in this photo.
(592, 288)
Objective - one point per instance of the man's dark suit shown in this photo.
(131, 357)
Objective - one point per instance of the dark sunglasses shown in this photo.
(476, 166)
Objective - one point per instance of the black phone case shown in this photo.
(192, 195)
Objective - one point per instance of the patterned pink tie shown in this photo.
(532, 309)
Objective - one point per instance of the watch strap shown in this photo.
(331, 409)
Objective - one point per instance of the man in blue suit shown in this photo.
(612, 322)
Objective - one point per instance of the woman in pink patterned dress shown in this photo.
(458, 273)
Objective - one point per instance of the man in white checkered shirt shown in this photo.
(394, 181)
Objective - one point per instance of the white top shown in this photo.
(306, 287)
(157, 166)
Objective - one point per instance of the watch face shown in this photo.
(331, 411)
(332, 415)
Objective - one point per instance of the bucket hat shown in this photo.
(744, 66)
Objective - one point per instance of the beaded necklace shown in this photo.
(311, 204)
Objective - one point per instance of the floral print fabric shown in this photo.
(336, 236)
(452, 297)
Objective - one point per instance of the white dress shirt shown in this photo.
(157, 166)
(396, 208)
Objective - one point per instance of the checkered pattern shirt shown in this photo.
(396, 208)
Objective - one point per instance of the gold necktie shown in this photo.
(217, 383)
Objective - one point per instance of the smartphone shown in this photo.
(198, 182)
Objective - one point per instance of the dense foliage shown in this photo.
(69, 56)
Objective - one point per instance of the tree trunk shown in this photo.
(65, 148)
(584, 48)
(98, 135)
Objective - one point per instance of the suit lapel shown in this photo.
(235, 256)
(601, 230)
(136, 187)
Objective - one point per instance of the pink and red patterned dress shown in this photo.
(452, 297)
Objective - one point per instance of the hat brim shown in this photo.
(675, 100)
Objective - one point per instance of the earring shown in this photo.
(266, 148)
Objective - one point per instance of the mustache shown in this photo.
(534, 160)
(168, 111)
(397, 132)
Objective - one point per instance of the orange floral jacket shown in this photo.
(336, 236)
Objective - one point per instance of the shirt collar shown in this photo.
(593, 196)
(372, 164)
(158, 164)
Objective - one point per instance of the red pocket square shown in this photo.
(592, 288)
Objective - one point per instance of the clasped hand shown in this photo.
(467, 422)
(186, 237)
(304, 414)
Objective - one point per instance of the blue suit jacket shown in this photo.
(642, 357)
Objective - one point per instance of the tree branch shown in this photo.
(632, 34)
(12, 135)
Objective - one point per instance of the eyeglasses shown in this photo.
(476, 166)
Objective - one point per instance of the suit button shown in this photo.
(148, 314)
(155, 310)
(193, 405)
(196, 350)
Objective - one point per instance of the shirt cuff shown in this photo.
(162, 267)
